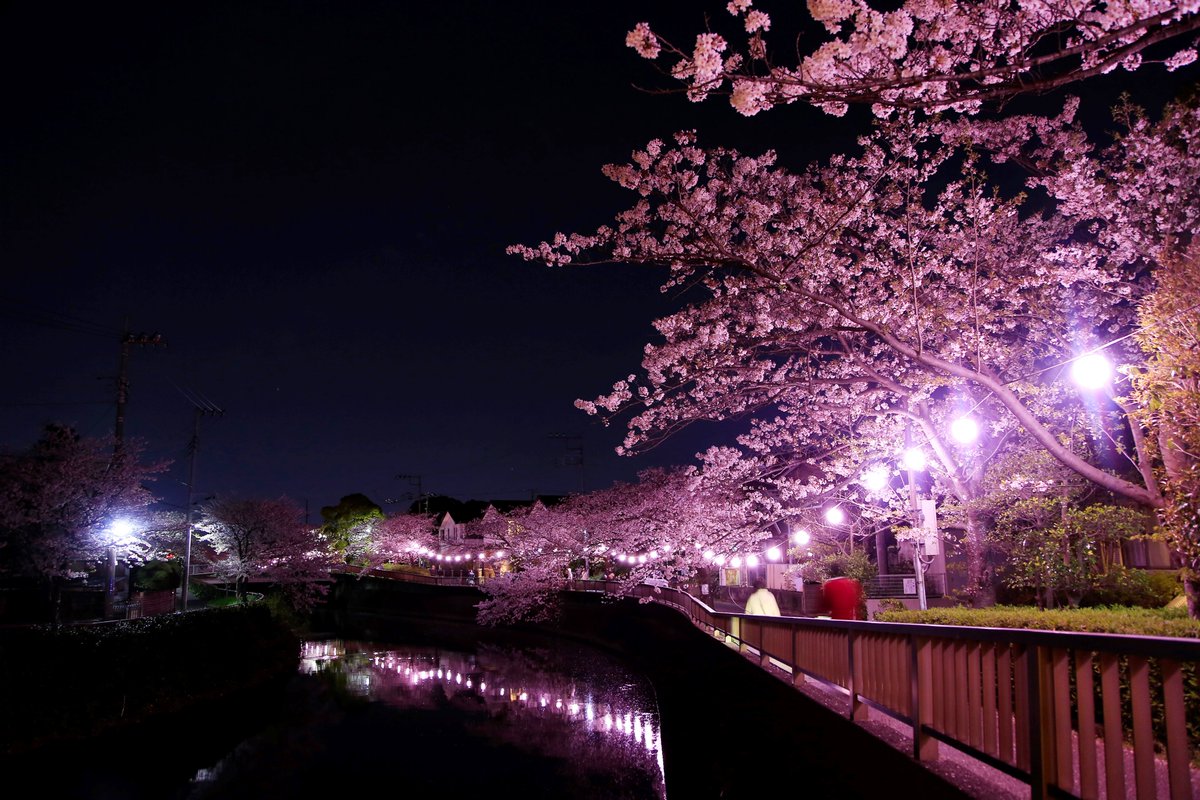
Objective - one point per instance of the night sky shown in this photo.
(309, 202)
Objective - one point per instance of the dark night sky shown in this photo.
(310, 202)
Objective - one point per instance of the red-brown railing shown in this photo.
(1022, 701)
(1062, 711)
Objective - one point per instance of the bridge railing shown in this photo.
(1055, 709)
(1059, 710)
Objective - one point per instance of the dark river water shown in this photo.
(531, 721)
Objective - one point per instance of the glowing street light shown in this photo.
(965, 430)
(800, 537)
(834, 515)
(1092, 371)
(914, 459)
(875, 479)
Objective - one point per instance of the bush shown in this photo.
(1122, 586)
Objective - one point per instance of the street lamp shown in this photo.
(120, 533)
(1092, 371)
(965, 430)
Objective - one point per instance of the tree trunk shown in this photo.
(1191, 590)
(979, 584)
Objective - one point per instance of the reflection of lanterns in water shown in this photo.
(395, 677)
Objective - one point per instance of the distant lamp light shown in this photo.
(752, 560)
(773, 554)
(875, 478)
(719, 560)
(834, 515)
(800, 537)
(735, 562)
(708, 555)
(965, 430)
(1092, 371)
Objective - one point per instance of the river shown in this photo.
(419, 718)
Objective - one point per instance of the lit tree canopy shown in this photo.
(60, 499)
(882, 283)
(900, 282)
(267, 541)
(921, 54)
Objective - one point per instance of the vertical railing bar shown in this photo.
(1178, 766)
(1143, 727)
(1060, 702)
(1114, 737)
(1085, 693)
(961, 693)
(975, 695)
(1034, 726)
(1004, 704)
(988, 687)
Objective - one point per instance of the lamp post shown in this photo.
(120, 532)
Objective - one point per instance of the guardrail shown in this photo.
(1058, 710)
(1022, 701)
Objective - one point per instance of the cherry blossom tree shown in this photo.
(920, 54)
(267, 541)
(900, 282)
(59, 501)
(396, 538)
(1166, 390)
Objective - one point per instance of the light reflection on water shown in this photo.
(570, 711)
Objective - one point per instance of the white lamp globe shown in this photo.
(914, 459)
(834, 515)
(965, 430)
(800, 537)
(1092, 371)
(875, 478)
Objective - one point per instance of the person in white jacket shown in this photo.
(761, 601)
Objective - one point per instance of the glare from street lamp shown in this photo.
(800, 537)
(875, 478)
(965, 430)
(773, 554)
(1092, 371)
(834, 515)
(914, 459)
(121, 531)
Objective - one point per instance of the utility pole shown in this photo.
(201, 407)
(422, 501)
(127, 340)
(574, 457)
(574, 444)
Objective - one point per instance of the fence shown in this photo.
(1025, 702)
(1047, 707)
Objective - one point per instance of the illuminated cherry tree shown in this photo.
(268, 542)
(61, 501)
(396, 538)
(919, 54)
(897, 282)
